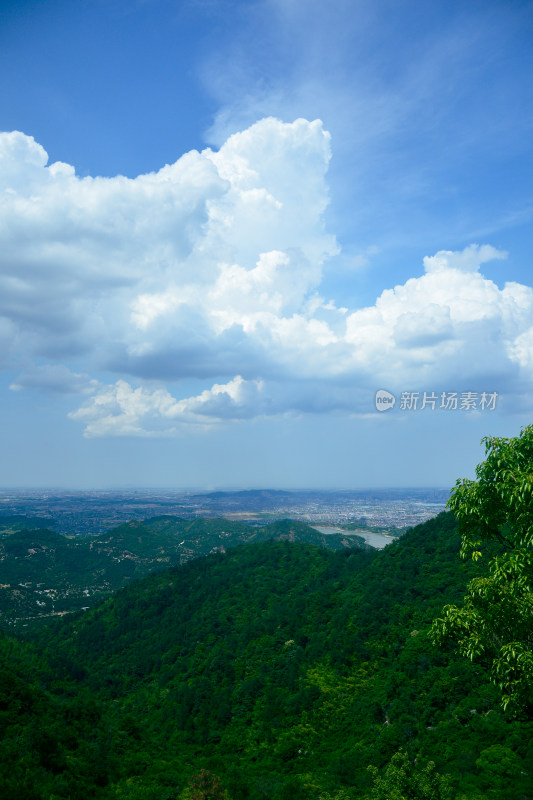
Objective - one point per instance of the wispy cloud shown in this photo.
(420, 107)
(56, 379)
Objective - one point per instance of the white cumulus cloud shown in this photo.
(449, 324)
(211, 268)
(467, 260)
(121, 410)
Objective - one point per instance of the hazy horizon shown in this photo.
(222, 488)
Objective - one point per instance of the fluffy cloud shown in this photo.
(468, 260)
(88, 265)
(450, 324)
(211, 268)
(120, 410)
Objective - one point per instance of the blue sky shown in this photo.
(225, 225)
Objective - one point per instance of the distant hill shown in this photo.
(44, 574)
(253, 494)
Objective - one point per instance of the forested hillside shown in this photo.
(44, 574)
(274, 671)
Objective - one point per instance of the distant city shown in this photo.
(82, 512)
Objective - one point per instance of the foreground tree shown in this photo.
(403, 780)
(495, 516)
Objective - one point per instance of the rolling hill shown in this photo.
(44, 574)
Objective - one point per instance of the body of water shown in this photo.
(373, 539)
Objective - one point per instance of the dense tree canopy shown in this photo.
(274, 671)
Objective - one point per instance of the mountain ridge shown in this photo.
(44, 574)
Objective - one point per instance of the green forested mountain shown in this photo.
(276, 670)
(45, 574)
(272, 671)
